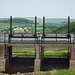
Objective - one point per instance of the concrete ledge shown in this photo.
(2, 69)
(37, 65)
(72, 63)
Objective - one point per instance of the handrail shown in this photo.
(4, 37)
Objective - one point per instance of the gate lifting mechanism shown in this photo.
(40, 38)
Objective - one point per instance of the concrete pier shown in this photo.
(2, 57)
(72, 60)
(37, 61)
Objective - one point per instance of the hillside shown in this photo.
(22, 25)
(53, 21)
(64, 29)
(18, 25)
(17, 20)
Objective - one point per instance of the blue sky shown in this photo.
(39, 8)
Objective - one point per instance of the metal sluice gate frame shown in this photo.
(36, 36)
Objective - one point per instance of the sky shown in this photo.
(39, 8)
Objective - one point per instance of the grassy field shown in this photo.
(49, 52)
(23, 51)
(59, 72)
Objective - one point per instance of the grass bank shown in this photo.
(58, 72)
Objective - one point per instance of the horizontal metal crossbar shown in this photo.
(56, 37)
(22, 36)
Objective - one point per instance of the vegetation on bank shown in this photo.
(58, 72)
(64, 28)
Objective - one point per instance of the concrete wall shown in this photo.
(72, 60)
(37, 61)
(2, 57)
(6, 54)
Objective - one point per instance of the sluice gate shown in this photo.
(43, 57)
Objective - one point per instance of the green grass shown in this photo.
(22, 49)
(58, 72)
(23, 52)
(44, 73)
(18, 31)
(49, 52)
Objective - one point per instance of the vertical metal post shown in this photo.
(21, 38)
(35, 24)
(56, 37)
(35, 28)
(10, 29)
(42, 40)
(4, 37)
(68, 52)
(68, 55)
(10, 25)
(43, 26)
(68, 28)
